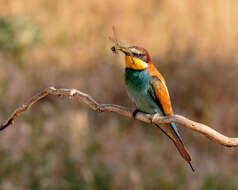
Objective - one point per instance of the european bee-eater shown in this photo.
(147, 89)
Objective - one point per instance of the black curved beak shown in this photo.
(123, 49)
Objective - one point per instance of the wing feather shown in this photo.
(161, 93)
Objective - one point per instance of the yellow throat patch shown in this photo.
(135, 63)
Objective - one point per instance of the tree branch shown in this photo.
(148, 118)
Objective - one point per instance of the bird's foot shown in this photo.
(134, 113)
(99, 109)
(153, 118)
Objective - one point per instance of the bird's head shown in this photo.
(136, 58)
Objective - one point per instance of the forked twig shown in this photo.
(148, 118)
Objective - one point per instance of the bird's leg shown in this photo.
(134, 113)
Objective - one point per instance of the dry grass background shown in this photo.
(61, 144)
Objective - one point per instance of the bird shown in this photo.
(147, 89)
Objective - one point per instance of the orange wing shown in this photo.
(160, 90)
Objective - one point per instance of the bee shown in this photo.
(113, 49)
(115, 40)
(118, 43)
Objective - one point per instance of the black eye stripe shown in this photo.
(138, 54)
(142, 57)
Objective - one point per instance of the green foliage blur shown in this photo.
(17, 35)
(62, 144)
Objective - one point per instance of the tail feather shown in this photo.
(184, 153)
(182, 150)
(177, 140)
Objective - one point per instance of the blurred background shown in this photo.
(62, 144)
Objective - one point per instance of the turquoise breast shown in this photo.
(138, 89)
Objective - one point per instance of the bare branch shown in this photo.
(148, 118)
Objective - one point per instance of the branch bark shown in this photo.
(147, 118)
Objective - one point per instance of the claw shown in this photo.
(134, 113)
(99, 109)
(153, 118)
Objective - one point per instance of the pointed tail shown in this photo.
(183, 152)
(172, 132)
